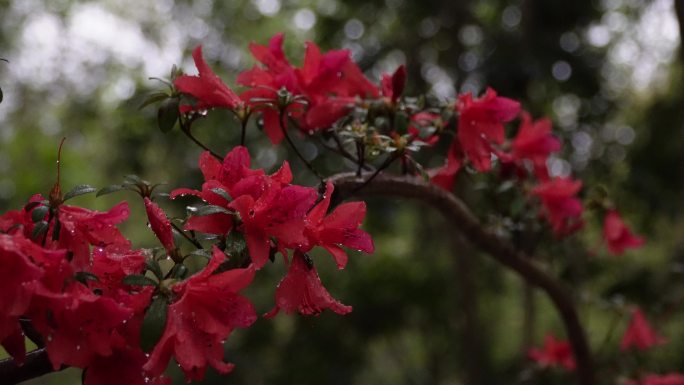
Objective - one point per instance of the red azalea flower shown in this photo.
(445, 176)
(554, 353)
(301, 290)
(82, 227)
(160, 224)
(206, 87)
(656, 379)
(20, 278)
(111, 266)
(535, 142)
(278, 213)
(206, 310)
(639, 333)
(329, 81)
(77, 324)
(123, 366)
(561, 206)
(617, 235)
(338, 228)
(421, 121)
(481, 122)
(393, 85)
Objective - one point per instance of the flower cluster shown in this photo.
(75, 285)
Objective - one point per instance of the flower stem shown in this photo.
(283, 128)
(185, 127)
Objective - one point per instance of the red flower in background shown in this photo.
(561, 206)
(206, 310)
(392, 86)
(206, 87)
(422, 121)
(535, 142)
(330, 82)
(639, 333)
(445, 176)
(480, 123)
(617, 235)
(554, 353)
(301, 290)
(656, 379)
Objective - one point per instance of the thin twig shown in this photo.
(283, 128)
(195, 242)
(186, 130)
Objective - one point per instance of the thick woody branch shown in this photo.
(35, 365)
(500, 249)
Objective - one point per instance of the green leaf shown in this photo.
(153, 324)
(110, 189)
(209, 210)
(153, 98)
(84, 277)
(202, 253)
(179, 271)
(222, 193)
(134, 179)
(235, 243)
(167, 115)
(40, 229)
(79, 190)
(139, 280)
(154, 267)
(38, 214)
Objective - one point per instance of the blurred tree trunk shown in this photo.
(474, 340)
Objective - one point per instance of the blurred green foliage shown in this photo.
(427, 308)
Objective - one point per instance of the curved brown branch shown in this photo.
(500, 249)
(36, 365)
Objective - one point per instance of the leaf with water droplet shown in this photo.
(153, 324)
(81, 189)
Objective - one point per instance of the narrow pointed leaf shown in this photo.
(153, 98)
(153, 323)
(40, 229)
(110, 189)
(79, 190)
(167, 115)
(209, 210)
